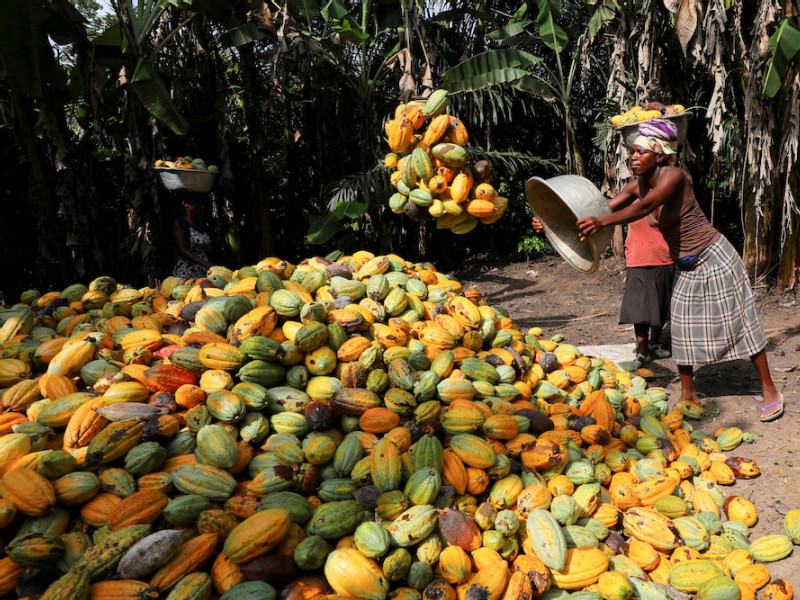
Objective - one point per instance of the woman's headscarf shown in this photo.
(659, 135)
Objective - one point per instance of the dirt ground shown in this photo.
(550, 294)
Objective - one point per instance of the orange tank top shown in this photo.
(645, 246)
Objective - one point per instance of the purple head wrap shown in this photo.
(660, 128)
(659, 135)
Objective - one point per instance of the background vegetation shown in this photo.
(289, 99)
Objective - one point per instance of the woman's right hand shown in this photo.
(588, 226)
(537, 225)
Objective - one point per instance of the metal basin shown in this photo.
(558, 203)
(189, 180)
(629, 132)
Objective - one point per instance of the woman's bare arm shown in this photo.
(667, 187)
(625, 197)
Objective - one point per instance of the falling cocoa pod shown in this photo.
(319, 415)
(539, 423)
(367, 495)
(545, 454)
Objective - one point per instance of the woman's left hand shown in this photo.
(588, 226)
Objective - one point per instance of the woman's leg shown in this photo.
(656, 349)
(688, 391)
(655, 334)
(770, 396)
(642, 331)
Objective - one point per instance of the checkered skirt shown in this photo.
(713, 312)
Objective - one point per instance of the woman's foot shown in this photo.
(657, 351)
(683, 397)
(640, 360)
(635, 364)
(771, 407)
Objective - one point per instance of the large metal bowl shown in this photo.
(629, 132)
(558, 203)
(189, 180)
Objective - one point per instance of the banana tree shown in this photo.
(39, 89)
(511, 64)
(361, 45)
(137, 23)
(784, 46)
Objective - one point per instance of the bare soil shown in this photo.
(550, 294)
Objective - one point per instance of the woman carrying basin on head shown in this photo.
(713, 314)
(191, 242)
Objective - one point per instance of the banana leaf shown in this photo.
(785, 45)
(244, 34)
(24, 45)
(490, 68)
(153, 93)
(322, 228)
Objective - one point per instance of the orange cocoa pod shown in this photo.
(9, 574)
(142, 507)
(9, 419)
(95, 512)
(178, 461)
(246, 454)
(31, 493)
(47, 350)
(454, 472)
(378, 420)
(536, 571)
(55, 386)
(225, 574)
(306, 588)
(85, 424)
(187, 559)
(477, 481)
(122, 589)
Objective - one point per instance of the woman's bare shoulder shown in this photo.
(673, 171)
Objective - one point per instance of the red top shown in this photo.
(645, 246)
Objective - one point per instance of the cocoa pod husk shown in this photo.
(148, 554)
(276, 569)
(459, 530)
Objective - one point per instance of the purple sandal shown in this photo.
(774, 416)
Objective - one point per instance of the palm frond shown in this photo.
(371, 187)
(516, 163)
(491, 105)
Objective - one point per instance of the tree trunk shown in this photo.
(756, 249)
(43, 183)
(260, 194)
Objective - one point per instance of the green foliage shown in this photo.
(344, 215)
(492, 67)
(292, 106)
(784, 45)
(155, 96)
(535, 246)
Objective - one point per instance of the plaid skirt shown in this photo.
(713, 312)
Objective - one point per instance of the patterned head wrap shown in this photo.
(659, 135)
